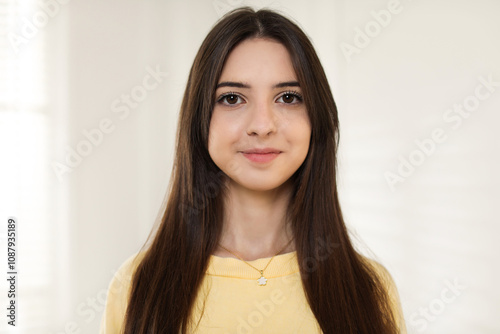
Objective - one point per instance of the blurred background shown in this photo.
(89, 97)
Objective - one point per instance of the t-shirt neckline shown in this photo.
(281, 265)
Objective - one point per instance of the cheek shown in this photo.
(305, 141)
(213, 137)
(306, 127)
(300, 131)
(221, 134)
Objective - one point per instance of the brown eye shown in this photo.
(231, 99)
(288, 98)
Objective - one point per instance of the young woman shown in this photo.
(252, 239)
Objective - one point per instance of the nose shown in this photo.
(262, 120)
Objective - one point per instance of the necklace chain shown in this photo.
(262, 280)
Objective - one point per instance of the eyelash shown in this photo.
(296, 94)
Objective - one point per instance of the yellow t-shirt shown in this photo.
(236, 303)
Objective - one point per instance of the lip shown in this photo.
(264, 150)
(261, 155)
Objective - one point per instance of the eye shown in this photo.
(230, 99)
(290, 98)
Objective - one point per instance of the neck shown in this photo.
(254, 223)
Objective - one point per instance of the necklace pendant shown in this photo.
(262, 280)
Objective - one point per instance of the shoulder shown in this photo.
(381, 271)
(122, 279)
(118, 294)
(390, 286)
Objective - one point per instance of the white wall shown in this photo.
(436, 227)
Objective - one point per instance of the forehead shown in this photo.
(258, 60)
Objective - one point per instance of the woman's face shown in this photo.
(259, 131)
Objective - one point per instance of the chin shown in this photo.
(261, 185)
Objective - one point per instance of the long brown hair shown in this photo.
(343, 291)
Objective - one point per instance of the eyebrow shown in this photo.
(244, 85)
